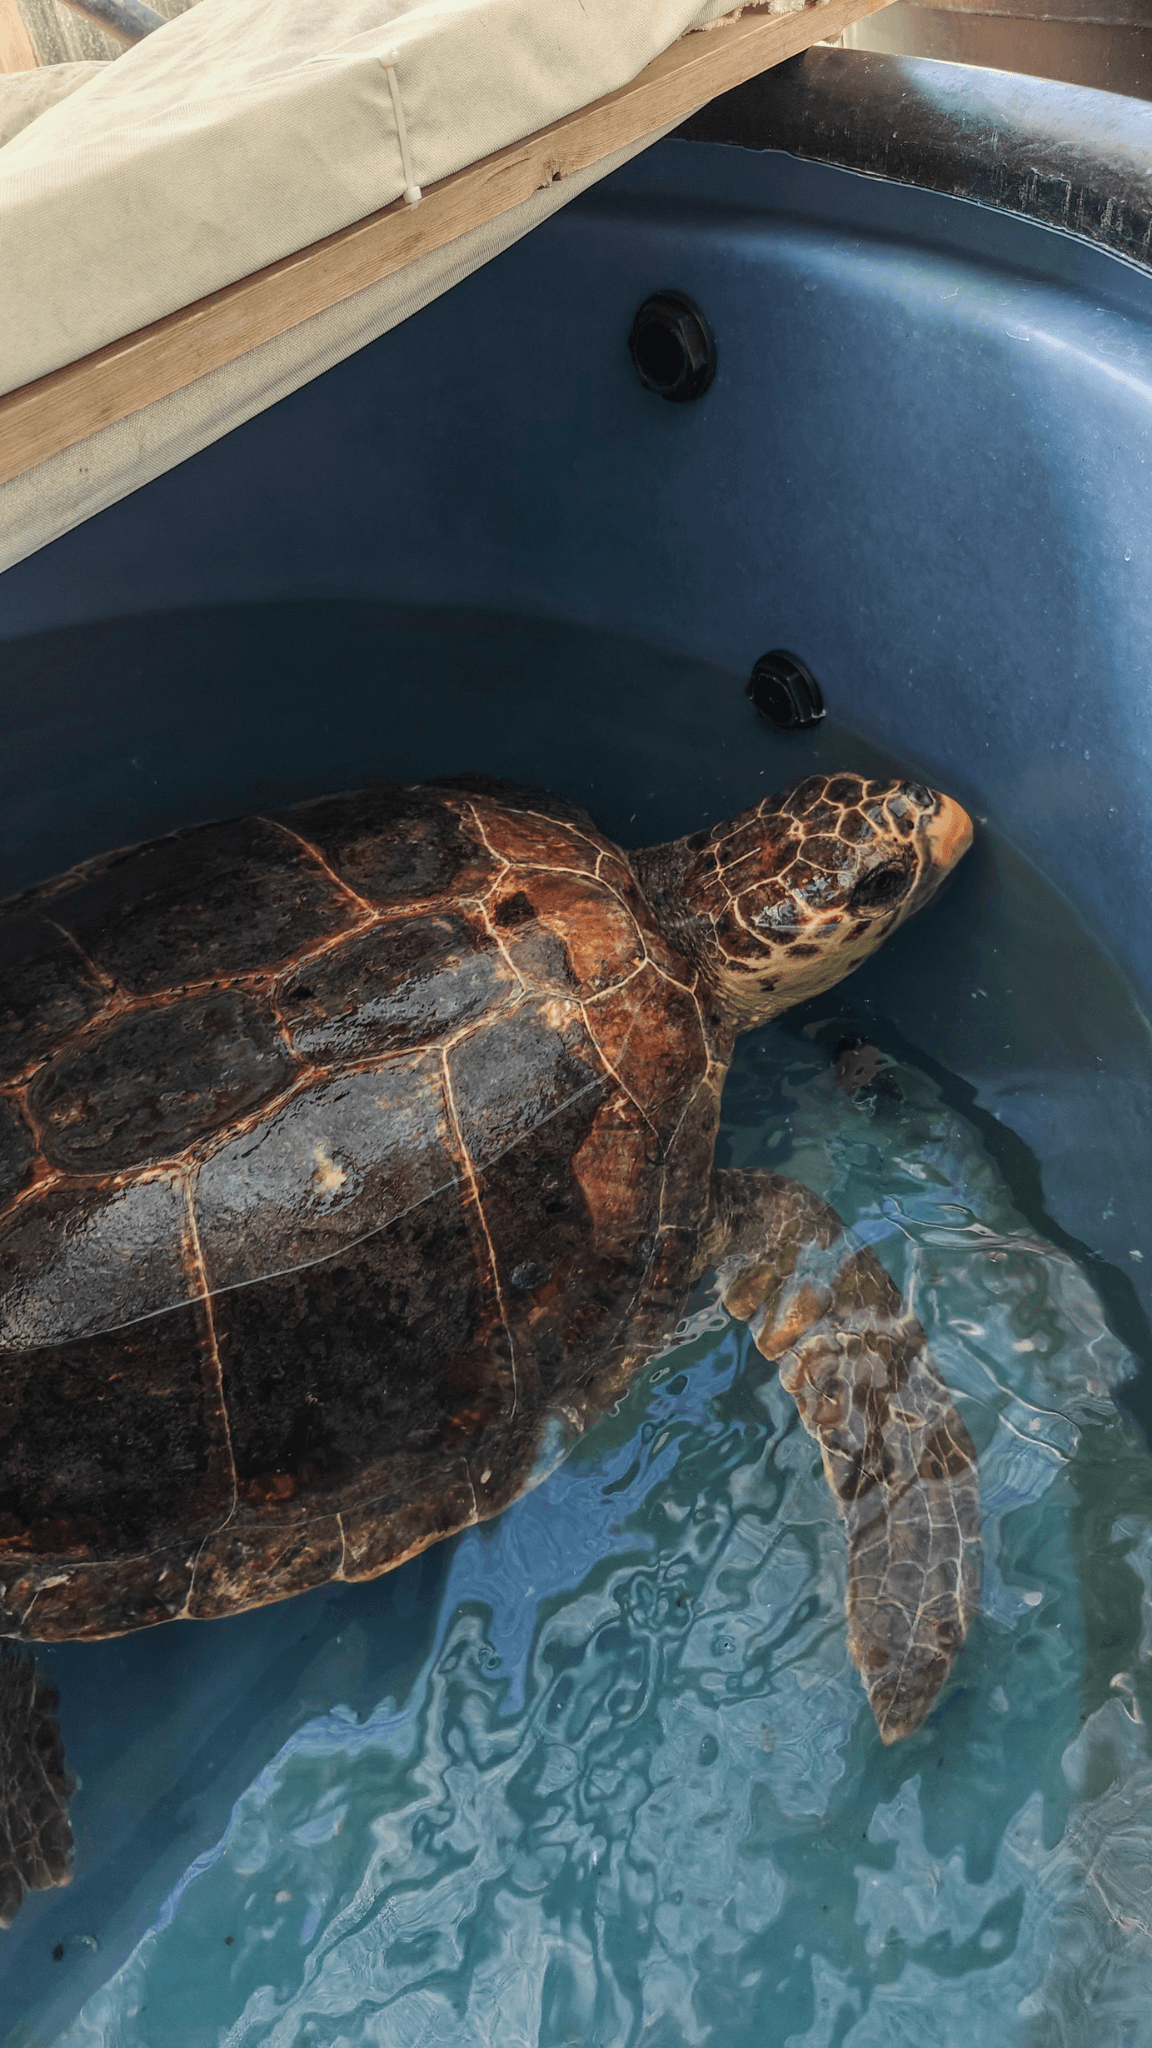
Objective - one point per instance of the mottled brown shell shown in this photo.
(340, 1150)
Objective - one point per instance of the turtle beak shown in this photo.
(949, 835)
(946, 837)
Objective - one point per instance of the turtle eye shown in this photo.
(919, 795)
(881, 887)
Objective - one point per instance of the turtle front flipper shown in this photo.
(35, 1787)
(898, 1458)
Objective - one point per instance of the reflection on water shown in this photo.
(634, 1794)
(600, 1773)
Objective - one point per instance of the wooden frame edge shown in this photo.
(17, 50)
(57, 411)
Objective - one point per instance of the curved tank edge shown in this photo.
(1068, 157)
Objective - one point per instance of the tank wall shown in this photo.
(923, 465)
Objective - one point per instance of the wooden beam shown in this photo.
(17, 50)
(56, 411)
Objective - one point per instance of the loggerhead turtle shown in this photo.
(353, 1158)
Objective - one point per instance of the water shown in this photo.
(601, 1773)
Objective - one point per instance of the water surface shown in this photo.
(601, 1772)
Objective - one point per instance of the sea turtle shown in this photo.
(353, 1158)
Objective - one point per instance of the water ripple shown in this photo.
(633, 1796)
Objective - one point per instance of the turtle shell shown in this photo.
(343, 1151)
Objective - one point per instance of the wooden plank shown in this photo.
(17, 50)
(40, 419)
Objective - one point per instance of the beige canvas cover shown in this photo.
(248, 129)
(25, 95)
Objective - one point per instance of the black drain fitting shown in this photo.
(672, 347)
(784, 691)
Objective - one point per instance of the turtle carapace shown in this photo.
(352, 1155)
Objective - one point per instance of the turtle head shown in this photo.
(785, 900)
